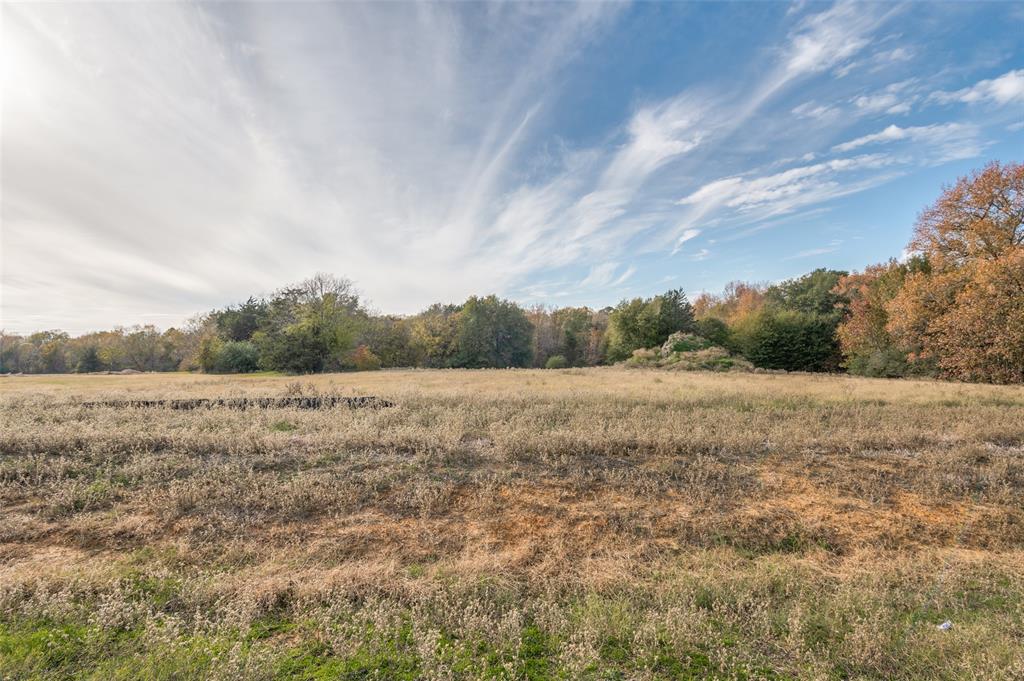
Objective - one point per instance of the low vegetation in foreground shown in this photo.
(559, 524)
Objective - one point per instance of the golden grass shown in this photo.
(524, 523)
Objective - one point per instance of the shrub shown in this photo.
(556, 362)
(693, 354)
(236, 357)
(684, 342)
(707, 359)
(715, 330)
(643, 357)
(790, 340)
(363, 359)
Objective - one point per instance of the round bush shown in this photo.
(556, 362)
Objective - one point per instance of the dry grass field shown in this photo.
(575, 524)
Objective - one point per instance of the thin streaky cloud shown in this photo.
(161, 159)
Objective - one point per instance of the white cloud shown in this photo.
(891, 133)
(813, 252)
(828, 38)
(244, 147)
(883, 102)
(604, 275)
(657, 134)
(943, 142)
(687, 234)
(629, 272)
(896, 98)
(755, 199)
(894, 55)
(1006, 89)
(817, 111)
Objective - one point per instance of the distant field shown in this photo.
(595, 524)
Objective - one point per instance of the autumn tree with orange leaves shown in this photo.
(966, 313)
(867, 345)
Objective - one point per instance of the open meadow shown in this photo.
(523, 524)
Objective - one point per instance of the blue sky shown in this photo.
(164, 159)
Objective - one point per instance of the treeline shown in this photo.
(954, 308)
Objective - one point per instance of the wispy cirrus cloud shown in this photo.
(940, 142)
(785, 191)
(428, 151)
(1005, 89)
(813, 252)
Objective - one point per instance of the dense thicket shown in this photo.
(954, 308)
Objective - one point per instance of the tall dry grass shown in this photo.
(591, 523)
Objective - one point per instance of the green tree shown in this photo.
(208, 352)
(674, 313)
(788, 339)
(9, 356)
(813, 293)
(89, 360)
(647, 323)
(241, 322)
(310, 327)
(713, 329)
(493, 333)
(435, 335)
(390, 339)
(236, 357)
(575, 325)
(632, 325)
(48, 354)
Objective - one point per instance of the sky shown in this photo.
(163, 159)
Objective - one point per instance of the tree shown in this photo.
(713, 329)
(236, 357)
(301, 348)
(547, 334)
(674, 313)
(787, 339)
(867, 346)
(813, 293)
(208, 352)
(363, 359)
(640, 323)
(241, 322)
(435, 335)
(9, 359)
(143, 348)
(982, 337)
(390, 339)
(634, 324)
(310, 327)
(493, 333)
(89, 360)
(47, 354)
(576, 325)
(981, 217)
(740, 299)
(963, 313)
